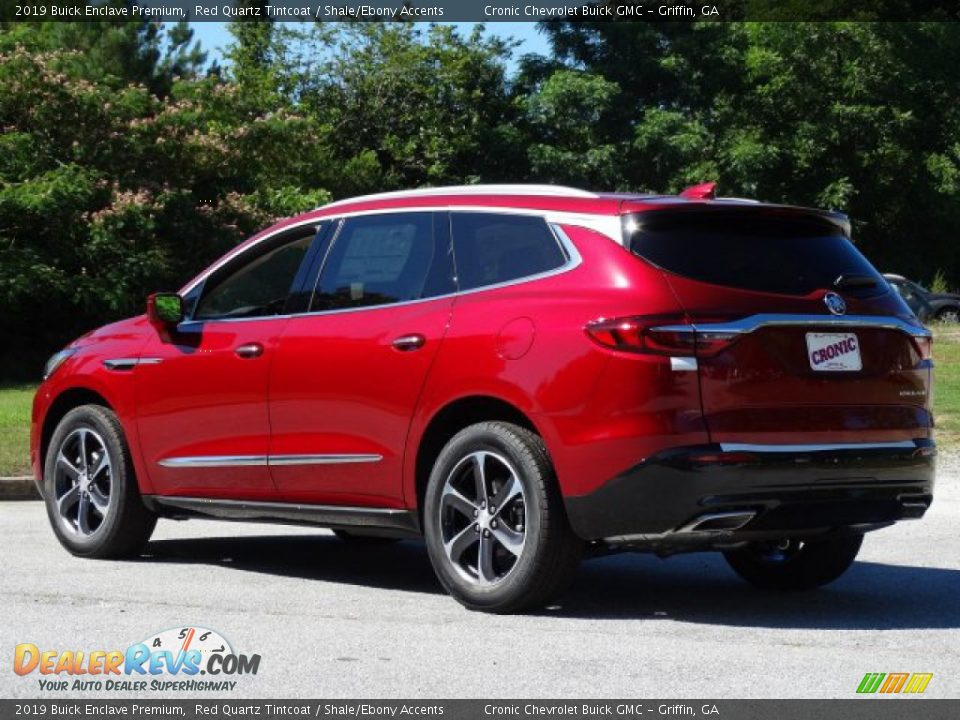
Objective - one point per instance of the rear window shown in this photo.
(492, 249)
(789, 255)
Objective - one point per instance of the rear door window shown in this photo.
(750, 250)
(385, 259)
(490, 248)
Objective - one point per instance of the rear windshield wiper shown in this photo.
(850, 281)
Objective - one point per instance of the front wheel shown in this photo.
(496, 530)
(89, 487)
(794, 564)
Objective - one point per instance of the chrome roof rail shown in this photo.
(549, 190)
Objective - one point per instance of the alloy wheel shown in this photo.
(83, 480)
(483, 518)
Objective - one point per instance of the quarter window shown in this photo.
(384, 259)
(491, 248)
(259, 287)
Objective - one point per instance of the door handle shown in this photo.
(406, 343)
(250, 350)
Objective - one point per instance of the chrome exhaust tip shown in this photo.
(719, 522)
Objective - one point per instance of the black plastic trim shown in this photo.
(402, 522)
(790, 492)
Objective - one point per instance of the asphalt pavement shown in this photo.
(333, 620)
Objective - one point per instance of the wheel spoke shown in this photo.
(83, 514)
(485, 560)
(67, 500)
(510, 539)
(99, 501)
(510, 490)
(480, 476)
(460, 543)
(83, 449)
(71, 469)
(102, 462)
(453, 498)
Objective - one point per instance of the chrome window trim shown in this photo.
(754, 322)
(208, 461)
(818, 447)
(242, 249)
(607, 225)
(574, 260)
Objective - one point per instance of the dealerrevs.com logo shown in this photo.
(189, 659)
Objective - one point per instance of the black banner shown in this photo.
(477, 10)
(865, 709)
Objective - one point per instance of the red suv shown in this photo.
(520, 374)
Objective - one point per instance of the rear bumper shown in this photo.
(712, 494)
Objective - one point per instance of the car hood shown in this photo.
(128, 329)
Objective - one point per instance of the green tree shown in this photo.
(408, 106)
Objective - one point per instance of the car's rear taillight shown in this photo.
(658, 335)
(924, 345)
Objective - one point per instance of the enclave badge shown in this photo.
(835, 303)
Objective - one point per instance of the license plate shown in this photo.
(834, 352)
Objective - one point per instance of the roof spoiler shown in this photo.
(703, 191)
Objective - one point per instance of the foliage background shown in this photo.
(128, 161)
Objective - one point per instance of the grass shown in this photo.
(15, 403)
(946, 385)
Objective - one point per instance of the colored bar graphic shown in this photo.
(918, 682)
(870, 682)
(894, 683)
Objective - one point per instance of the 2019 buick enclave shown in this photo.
(519, 374)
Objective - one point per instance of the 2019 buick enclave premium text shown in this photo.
(518, 373)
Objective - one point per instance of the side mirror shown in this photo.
(164, 310)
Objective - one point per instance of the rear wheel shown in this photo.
(494, 521)
(949, 315)
(89, 487)
(794, 564)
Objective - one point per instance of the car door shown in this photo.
(347, 375)
(202, 393)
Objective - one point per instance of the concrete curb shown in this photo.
(18, 488)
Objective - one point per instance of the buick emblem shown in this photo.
(834, 303)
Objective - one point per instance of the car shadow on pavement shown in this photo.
(388, 565)
(697, 588)
(701, 588)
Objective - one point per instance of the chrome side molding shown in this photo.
(332, 459)
(208, 461)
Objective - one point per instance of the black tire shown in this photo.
(127, 524)
(801, 566)
(949, 315)
(550, 551)
(358, 538)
